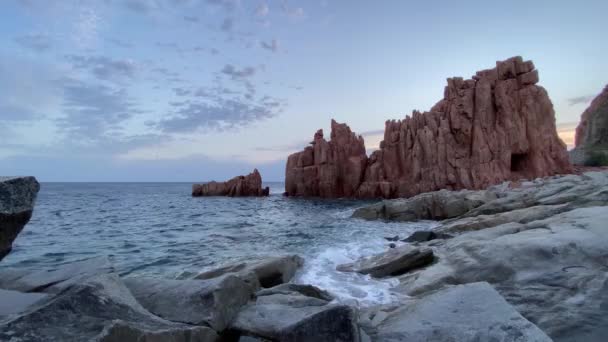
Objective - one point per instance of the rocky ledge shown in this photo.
(538, 246)
(499, 125)
(17, 197)
(240, 186)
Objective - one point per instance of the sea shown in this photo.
(158, 229)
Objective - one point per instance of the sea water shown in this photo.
(158, 229)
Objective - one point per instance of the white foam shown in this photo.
(320, 270)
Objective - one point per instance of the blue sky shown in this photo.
(193, 90)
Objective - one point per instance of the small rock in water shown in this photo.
(394, 238)
(392, 245)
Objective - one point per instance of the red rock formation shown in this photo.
(497, 126)
(328, 169)
(250, 185)
(592, 132)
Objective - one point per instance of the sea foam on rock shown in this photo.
(497, 126)
(17, 198)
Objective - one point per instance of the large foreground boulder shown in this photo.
(250, 185)
(213, 302)
(591, 141)
(497, 126)
(17, 198)
(99, 309)
(552, 270)
(14, 302)
(472, 312)
(259, 271)
(296, 314)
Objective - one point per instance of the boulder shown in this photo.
(395, 261)
(294, 316)
(17, 198)
(425, 235)
(240, 186)
(437, 205)
(553, 271)
(261, 271)
(591, 140)
(471, 312)
(305, 290)
(99, 309)
(213, 302)
(56, 279)
(497, 126)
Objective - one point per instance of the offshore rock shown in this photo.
(17, 197)
(333, 168)
(240, 186)
(497, 126)
(591, 141)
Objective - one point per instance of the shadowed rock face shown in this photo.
(17, 197)
(592, 130)
(250, 185)
(497, 126)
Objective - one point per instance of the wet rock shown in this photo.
(17, 198)
(250, 185)
(395, 261)
(394, 238)
(392, 245)
(260, 272)
(296, 317)
(99, 309)
(472, 312)
(425, 235)
(54, 280)
(305, 290)
(14, 302)
(213, 302)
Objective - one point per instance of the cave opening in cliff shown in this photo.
(518, 162)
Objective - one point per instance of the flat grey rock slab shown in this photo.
(471, 312)
(13, 302)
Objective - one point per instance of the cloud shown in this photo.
(38, 42)
(227, 24)
(272, 46)
(93, 111)
(228, 5)
(262, 10)
(238, 74)
(104, 68)
(580, 100)
(220, 115)
(121, 43)
(191, 18)
(141, 6)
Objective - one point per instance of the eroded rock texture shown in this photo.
(499, 125)
(592, 131)
(333, 168)
(250, 185)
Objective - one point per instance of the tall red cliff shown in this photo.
(497, 126)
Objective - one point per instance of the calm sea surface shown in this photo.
(159, 229)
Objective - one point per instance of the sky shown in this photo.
(199, 90)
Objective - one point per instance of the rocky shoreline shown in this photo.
(519, 261)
